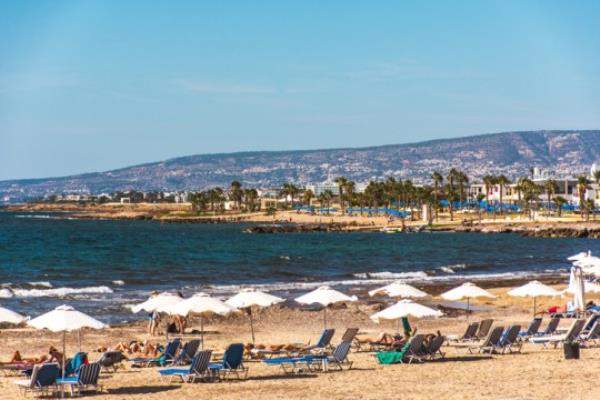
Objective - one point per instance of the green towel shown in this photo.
(392, 357)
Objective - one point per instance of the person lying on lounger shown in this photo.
(18, 359)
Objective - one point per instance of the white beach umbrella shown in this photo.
(577, 287)
(580, 256)
(157, 302)
(249, 297)
(468, 291)
(10, 316)
(398, 289)
(200, 304)
(65, 319)
(534, 289)
(404, 309)
(588, 287)
(325, 296)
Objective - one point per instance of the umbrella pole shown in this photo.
(325, 317)
(79, 339)
(468, 307)
(398, 327)
(534, 299)
(251, 324)
(201, 333)
(64, 353)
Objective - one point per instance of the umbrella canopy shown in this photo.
(65, 319)
(588, 262)
(249, 297)
(405, 308)
(534, 289)
(325, 296)
(10, 316)
(399, 289)
(580, 256)
(588, 287)
(467, 291)
(577, 285)
(155, 303)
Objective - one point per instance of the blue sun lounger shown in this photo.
(42, 380)
(232, 363)
(86, 378)
(198, 369)
(166, 357)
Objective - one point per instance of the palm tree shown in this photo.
(519, 188)
(235, 193)
(307, 196)
(341, 182)
(596, 177)
(451, 178)
(349, 190)
(583, 184)
(462, 180)
(489, 181)
(325, 198)
(438, 180)
(560, 202)
(289, 189)
(502, 181)
(530, 194)
(550, 186)
(250, 196)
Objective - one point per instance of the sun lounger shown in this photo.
(571, 335)
(551, 327)
(435, 348)
(484, 328)
(349, 335)
(291, 365)
(86, 378)
(510, 340)
(470, 334)
(490, 342)
(42, 380)
(338, 359)
(198, 369)
(532, 329)
(167, 356)
(589, 323)
(232, 363)
(411, 351)
(322, 344)
(187, 352)
(111, 359)
(593, 335)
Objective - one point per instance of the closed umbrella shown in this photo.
(200, 304)
(534, 289)
(398, 289)
(247, 298)
(324, 296)
(10, 316)
(65, 319)
(467, 291)
(404, 309)
(577, 286)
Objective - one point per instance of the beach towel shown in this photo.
(392, 357)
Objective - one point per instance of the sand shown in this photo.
(536, 373)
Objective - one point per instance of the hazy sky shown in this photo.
(89, 86)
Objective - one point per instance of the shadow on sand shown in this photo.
(142, 389)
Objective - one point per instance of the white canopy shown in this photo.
(325, 296)
(405, 308)
(467, 290)
(10, 316)
(399, 289)
(588, 262)
(157, 302)
(580, 256)
(534, 289)
(65, 318)
(250, 297)
(200, 303)
(576, 285)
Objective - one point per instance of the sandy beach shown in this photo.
(535, 373)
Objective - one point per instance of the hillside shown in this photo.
(509, 153)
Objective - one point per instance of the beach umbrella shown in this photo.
(580, 256)
(324, 296)
(577, 287)
(10, 316)
(65, 319)
(588, 287)
(398, 289)
(404, 309)
(468, 291)
(200, 304)
(157, 302)
(248, 297)
(534, 289)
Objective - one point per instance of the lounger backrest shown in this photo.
(471, 331)
(594, 333)
(88, 374)
(575, 330)
(493, 337)
(110, 358)
(484, 327)
(341, 351)
(513, 334)
(200, 362)
(552, 325)
(189, 349)
(47, 375)
(416, 344)
(172, 348)
(590, 322)
(325, 338)
(534, 326)
(232, 358)
(34, 375)
(349, 335)
(436, 344)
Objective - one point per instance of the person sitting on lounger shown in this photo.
(56, 356)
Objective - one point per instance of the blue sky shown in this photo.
(90, 86)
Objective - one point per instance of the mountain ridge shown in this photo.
(509, 153)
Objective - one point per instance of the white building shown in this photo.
(318, 188)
